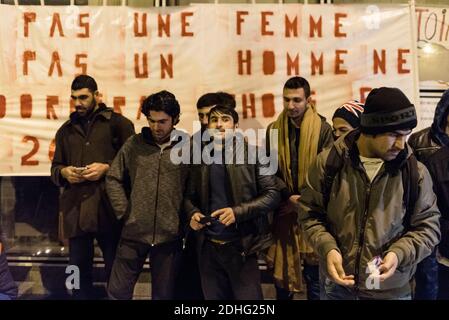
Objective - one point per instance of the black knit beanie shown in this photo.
(387, 110)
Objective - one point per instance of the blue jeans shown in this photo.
(426, 279)
(8, 288)
(4, 297)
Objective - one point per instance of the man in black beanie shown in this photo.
(375, 217)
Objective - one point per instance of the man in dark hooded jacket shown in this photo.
(431, 146)
(86, 144)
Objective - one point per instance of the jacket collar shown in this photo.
(236, 148)
(347, 147)
(102, 111)
(176, 137)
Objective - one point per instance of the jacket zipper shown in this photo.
(242, 253)
(157, 197)
(86, 135)
(361, 240)
(362, 234)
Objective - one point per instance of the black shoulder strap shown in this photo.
(334, 163)
(410, 183)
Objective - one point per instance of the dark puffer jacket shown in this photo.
(431, 146)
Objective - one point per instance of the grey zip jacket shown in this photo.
(146, 189)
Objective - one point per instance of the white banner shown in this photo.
(246, 50)
(433, 58)
(433, 25)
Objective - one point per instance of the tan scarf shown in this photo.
(284, 255)
(308, 144)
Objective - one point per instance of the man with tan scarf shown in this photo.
(302, 134)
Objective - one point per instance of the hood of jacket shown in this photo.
(176, 137)
(438, 128)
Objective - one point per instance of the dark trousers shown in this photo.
(188, 281)
(311, 275)
(226, 274)
(81, 252)
(426, 279)
(283, 294)
(128, 264)
(443, 278)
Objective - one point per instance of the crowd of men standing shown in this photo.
(352, 212)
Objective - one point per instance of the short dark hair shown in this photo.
(226, 99)
(298, 82)
(162, 101)
(214, 98)
(84, 81)
(207, 100)
(225, 110)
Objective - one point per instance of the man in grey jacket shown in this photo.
(146, 190)
(368, 249)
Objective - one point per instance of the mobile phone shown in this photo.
(207, 219)
(80, 169)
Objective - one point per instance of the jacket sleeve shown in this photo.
(312, 214)
(59, 161)
(280, 184)
(126, 130)
(191, 201)
(424, 234)
(267, 200)
(326, 137)
(116, 180)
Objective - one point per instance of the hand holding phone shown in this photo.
(80, 170)
(207, 219)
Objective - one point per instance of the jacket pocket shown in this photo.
(400, 278)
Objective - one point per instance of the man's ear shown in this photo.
(176, 120)
(97, 96)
